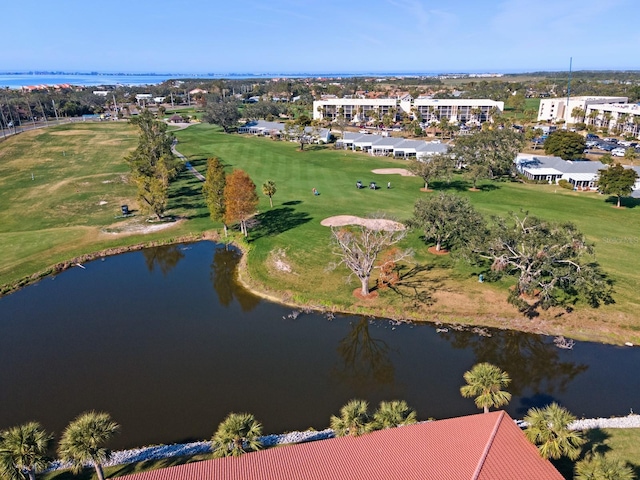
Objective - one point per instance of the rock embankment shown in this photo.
(159, 452)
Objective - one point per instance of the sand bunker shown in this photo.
(390, 171)
(371, 223)
(137, 227)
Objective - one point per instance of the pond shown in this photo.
(168, 343)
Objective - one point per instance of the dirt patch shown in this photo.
(358, 294)
(371, 223)
(426, 190)
(442, 251)
(393, 171)
(138, 226)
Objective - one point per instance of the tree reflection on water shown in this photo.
(365, 360)
(165, 257)
(533, 362)
(223, 278)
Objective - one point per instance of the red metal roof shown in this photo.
(476, 447)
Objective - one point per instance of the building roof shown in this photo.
(476, 447)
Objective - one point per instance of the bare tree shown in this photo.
(358, 247)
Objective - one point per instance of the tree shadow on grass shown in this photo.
(412, 287)
(276, 221)
(625, 202)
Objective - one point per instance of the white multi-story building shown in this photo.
(618, 118)
(555, 109)
(362, 110)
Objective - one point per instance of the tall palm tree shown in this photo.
(83, 441)
(549, 430)
(354, 419)
(393, 414)
(23, 450)
(234, 432)
(485, 382)
(599, 467)
(269, 189)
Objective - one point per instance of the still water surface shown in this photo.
(168, 343)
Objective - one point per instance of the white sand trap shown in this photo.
(371, 223)
(391, 171)
(137, 227)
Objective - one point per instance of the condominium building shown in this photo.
(619, 118)
(555, 109)
(360, 110)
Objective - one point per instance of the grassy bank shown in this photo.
(71, 204)
(291, 231)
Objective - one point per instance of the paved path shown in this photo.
(190, 167)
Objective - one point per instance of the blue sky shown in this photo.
(313, 36)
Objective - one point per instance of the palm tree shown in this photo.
(83, 441)
(599, 467)
(269, 189)
(578, 114)
(549, 430)
(23, 450)
(393, 414)
(234, 432)
(354, 419)
(485, 381)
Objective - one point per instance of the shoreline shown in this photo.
(160, 452)
(284, 298)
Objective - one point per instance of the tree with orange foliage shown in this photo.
(240, 199)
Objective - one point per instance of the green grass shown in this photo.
(294, 224)
(57, 216)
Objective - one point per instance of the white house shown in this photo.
(582, 174)
(383, 145)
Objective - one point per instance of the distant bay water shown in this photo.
(17, 80)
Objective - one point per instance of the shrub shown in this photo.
(565, 184)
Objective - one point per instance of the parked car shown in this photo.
(592, 136)
(610, 140)
(618, 152)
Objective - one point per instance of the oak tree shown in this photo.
(565, 144)
(617, 180)
(439, 166)
(223, 112)
(447, 219)
(552, 262)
